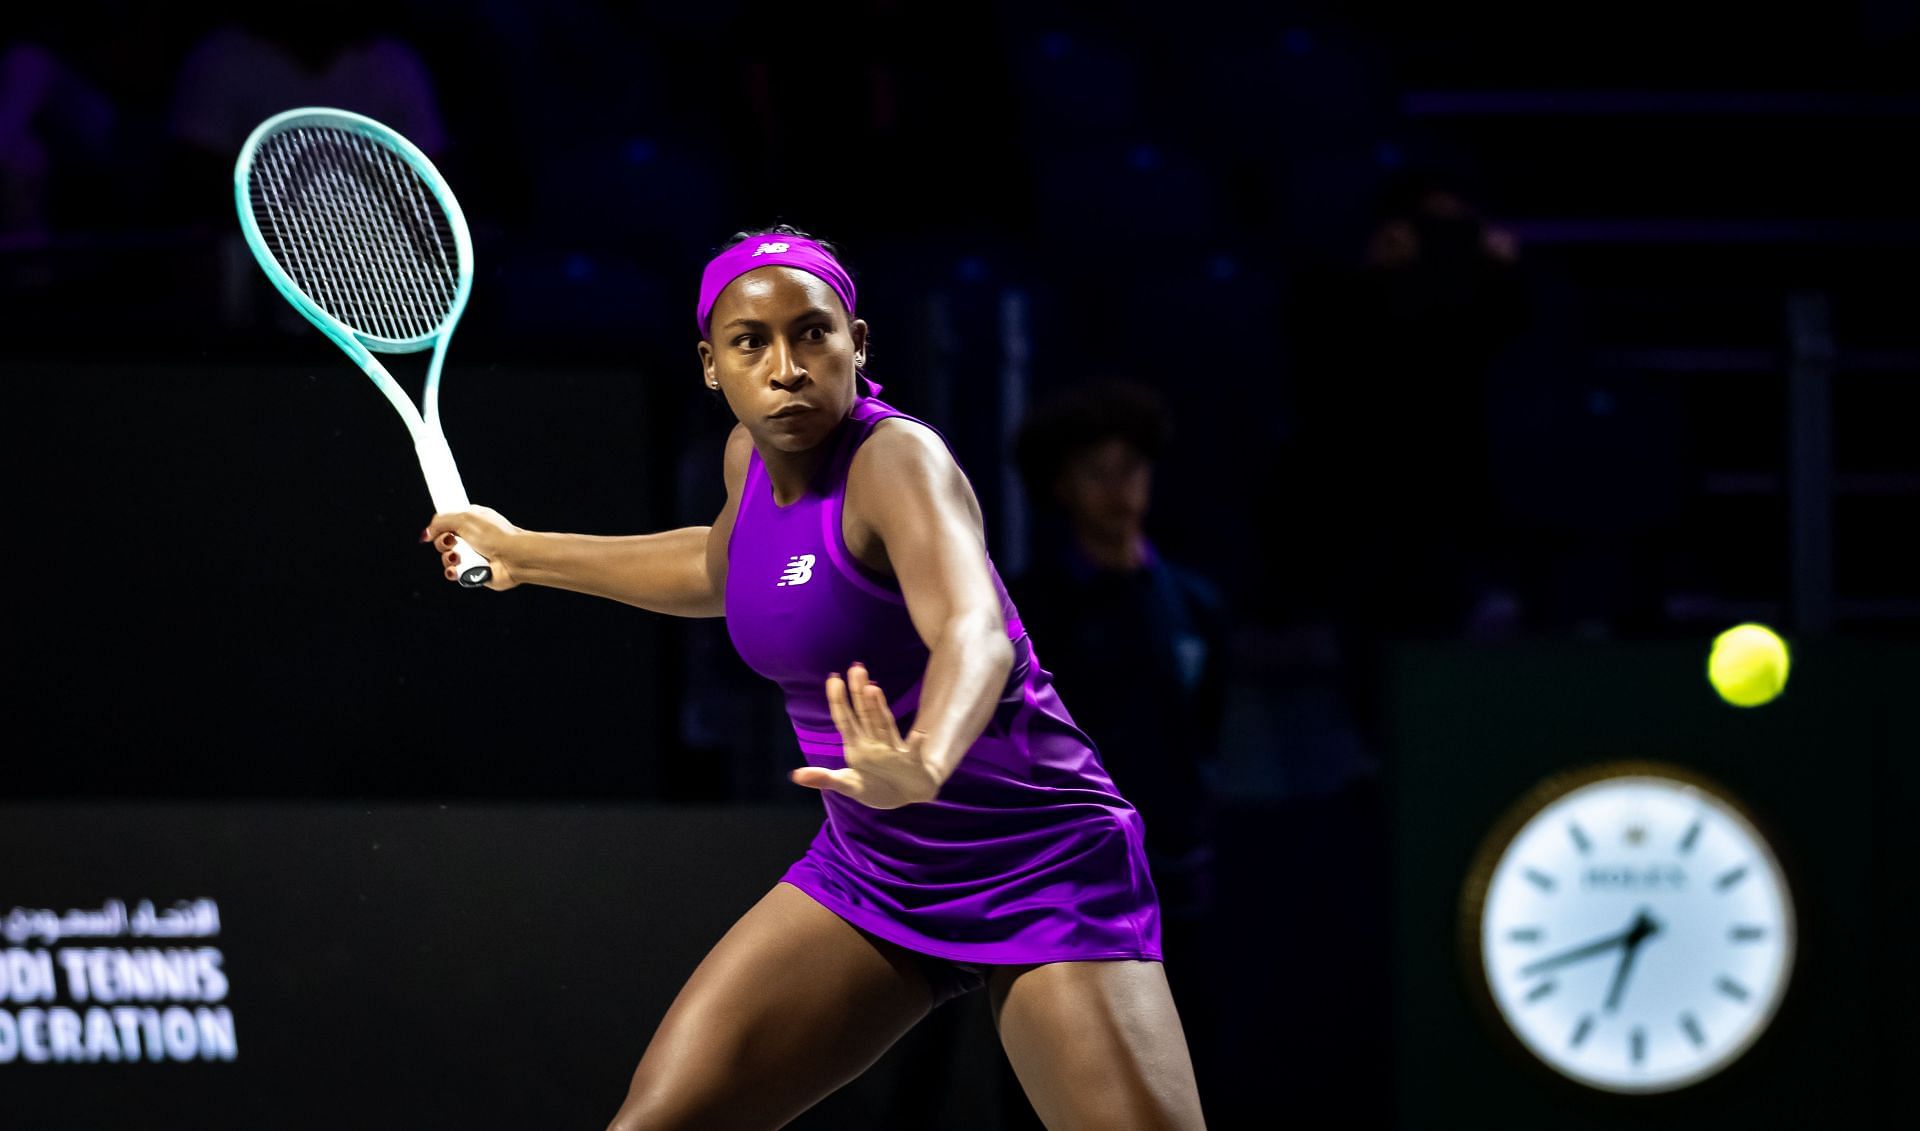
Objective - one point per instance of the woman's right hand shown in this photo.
(484, 529)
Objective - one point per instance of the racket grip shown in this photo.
(473, 570)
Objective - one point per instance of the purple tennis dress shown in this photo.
(1029, 854)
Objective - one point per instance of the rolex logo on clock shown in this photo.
(1631, 926)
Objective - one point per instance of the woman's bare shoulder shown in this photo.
(897, 444)
(906, 466)
(739, 452)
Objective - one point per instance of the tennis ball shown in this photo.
(1748, 665)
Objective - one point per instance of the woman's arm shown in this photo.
(664, 572)
(906, 492)
(680, 572)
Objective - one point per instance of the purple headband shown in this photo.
(771, 250)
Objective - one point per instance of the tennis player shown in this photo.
(972, 838)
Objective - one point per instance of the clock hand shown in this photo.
(1643, 929)
(1598, 946)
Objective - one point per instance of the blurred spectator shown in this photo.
(1134, 640)
(77, 143)
(1393, 401)
(48, 111)
(76, 134)
(272, 59)
(1390, 479)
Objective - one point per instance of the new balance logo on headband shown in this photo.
(799, 571)
(771, 248)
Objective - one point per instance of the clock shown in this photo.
(1630, 926)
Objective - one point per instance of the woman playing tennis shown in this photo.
(972, 837)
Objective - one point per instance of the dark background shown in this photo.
(1446, 492)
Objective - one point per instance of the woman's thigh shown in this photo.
(1097, 1044)
(789, 1005)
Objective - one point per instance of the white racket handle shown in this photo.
(472, 570)
(443, 483)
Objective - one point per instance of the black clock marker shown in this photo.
(1524, 934)
(1693, 834)
(1638, 1044)
(1692, 1025)
(1539, 879)
(1731, 878)
(1747, 934)
(1731, 988)
(1579, 838)
(1581, 1030)
(1541, 990)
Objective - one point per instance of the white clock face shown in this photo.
(1637, 934)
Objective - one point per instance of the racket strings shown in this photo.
(376, 226)
(423, 219)
(373, 223)
(315, 247)
(384, 233)
(357, 229)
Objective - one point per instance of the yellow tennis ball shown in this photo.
(1748, 665)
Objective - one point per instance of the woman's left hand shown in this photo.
(883, 770)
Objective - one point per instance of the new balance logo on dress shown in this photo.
(799, 570)
(771, 248)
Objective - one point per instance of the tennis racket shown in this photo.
(358, 230)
